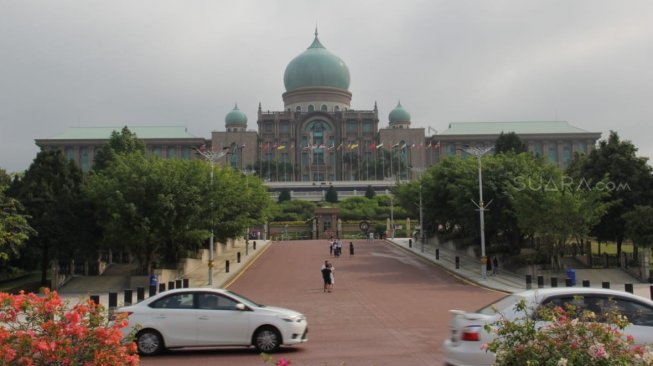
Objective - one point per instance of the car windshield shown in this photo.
(245, 300)
(501, 305)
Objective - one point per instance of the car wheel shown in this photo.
(267, 339)
(149, 342)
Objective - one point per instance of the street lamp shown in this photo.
(392, 217)
(478, 152)
(212, 157)
(421, 218)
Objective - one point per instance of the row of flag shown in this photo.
(350, 146)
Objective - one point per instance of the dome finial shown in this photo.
(236, 106)
(315, 29)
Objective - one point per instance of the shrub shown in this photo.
(569, 337)
(44, 330)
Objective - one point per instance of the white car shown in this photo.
(467, 335)
(207, 317)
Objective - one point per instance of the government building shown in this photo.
(318, 137)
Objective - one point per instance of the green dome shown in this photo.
(399, 114)
(316, 67)
(235, 117)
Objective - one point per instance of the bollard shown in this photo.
(254, 245)
(95, 299)
(529, 282)
(457, 262)
(437, 254)
(162, 287)
(226, 266)
(140, 293)
(128, 297)
(629, 287)
(410, 243)
(171, 285)
(605, 284)
(238, 257)
(113, 300)
(186, 283)
(152, 291)
(569, 282)
(554, 281)
(540, 281)
(586, 283)
(177, 283)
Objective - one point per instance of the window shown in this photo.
(336, 109)
(537, 148)
(216, 302)
(367, 126)
(298, 109)
(185, 153)
(581, 147)
(311, 108)
(85, 160)
(323, 108)
(553, 152)
(70, 153)
(566, 154)
(284, 127)
(156, 151)
(352, 127)
(172, 153)
(176, 301)
(267, 127)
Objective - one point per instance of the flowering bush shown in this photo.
(44, 330)
(565, 337)
(280, 362)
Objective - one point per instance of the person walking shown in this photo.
(326, 276)
(333, 276)
(331, 248)
(351, 248)
(495, 265)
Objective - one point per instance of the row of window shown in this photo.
(352, 127)
(170, 153)
(538, 148)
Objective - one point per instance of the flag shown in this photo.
(292, 146)
(339, 146)
(403, 146)
(267, 146)
(353, 146)
(379, 145)
(437, 145)
(281, 147)
(395, 145)
(429, 145)
(331, 147)
(371, 146)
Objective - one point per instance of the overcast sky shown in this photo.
(185, 63)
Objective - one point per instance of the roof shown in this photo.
(495, 128)
(104, 133)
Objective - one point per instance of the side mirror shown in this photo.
(240, 306)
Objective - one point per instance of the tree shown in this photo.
(629, 182)
(369, 192)
(331, 195)
(122, 142)
(50, 191)
(639, 225)
(554, 212)
(284, 195)
(509, 142)
(14, 226)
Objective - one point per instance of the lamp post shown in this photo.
(421, 218)
(478, 152)
(392, 216)
(212, 157)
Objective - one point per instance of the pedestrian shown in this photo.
(331, 248)
(326, 276)
(488, 265)
(495, 265)
(351, 248)
(333, 276)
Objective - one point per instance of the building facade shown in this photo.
(318, 137)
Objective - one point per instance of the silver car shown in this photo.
(467, 335)
(207, 317)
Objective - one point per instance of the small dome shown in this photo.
(235, 117)
(399, 114)
(316, 67)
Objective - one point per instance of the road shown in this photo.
(388, 307)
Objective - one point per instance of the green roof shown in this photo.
(104, 133)
(523, 128)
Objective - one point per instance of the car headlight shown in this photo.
(291, 318)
